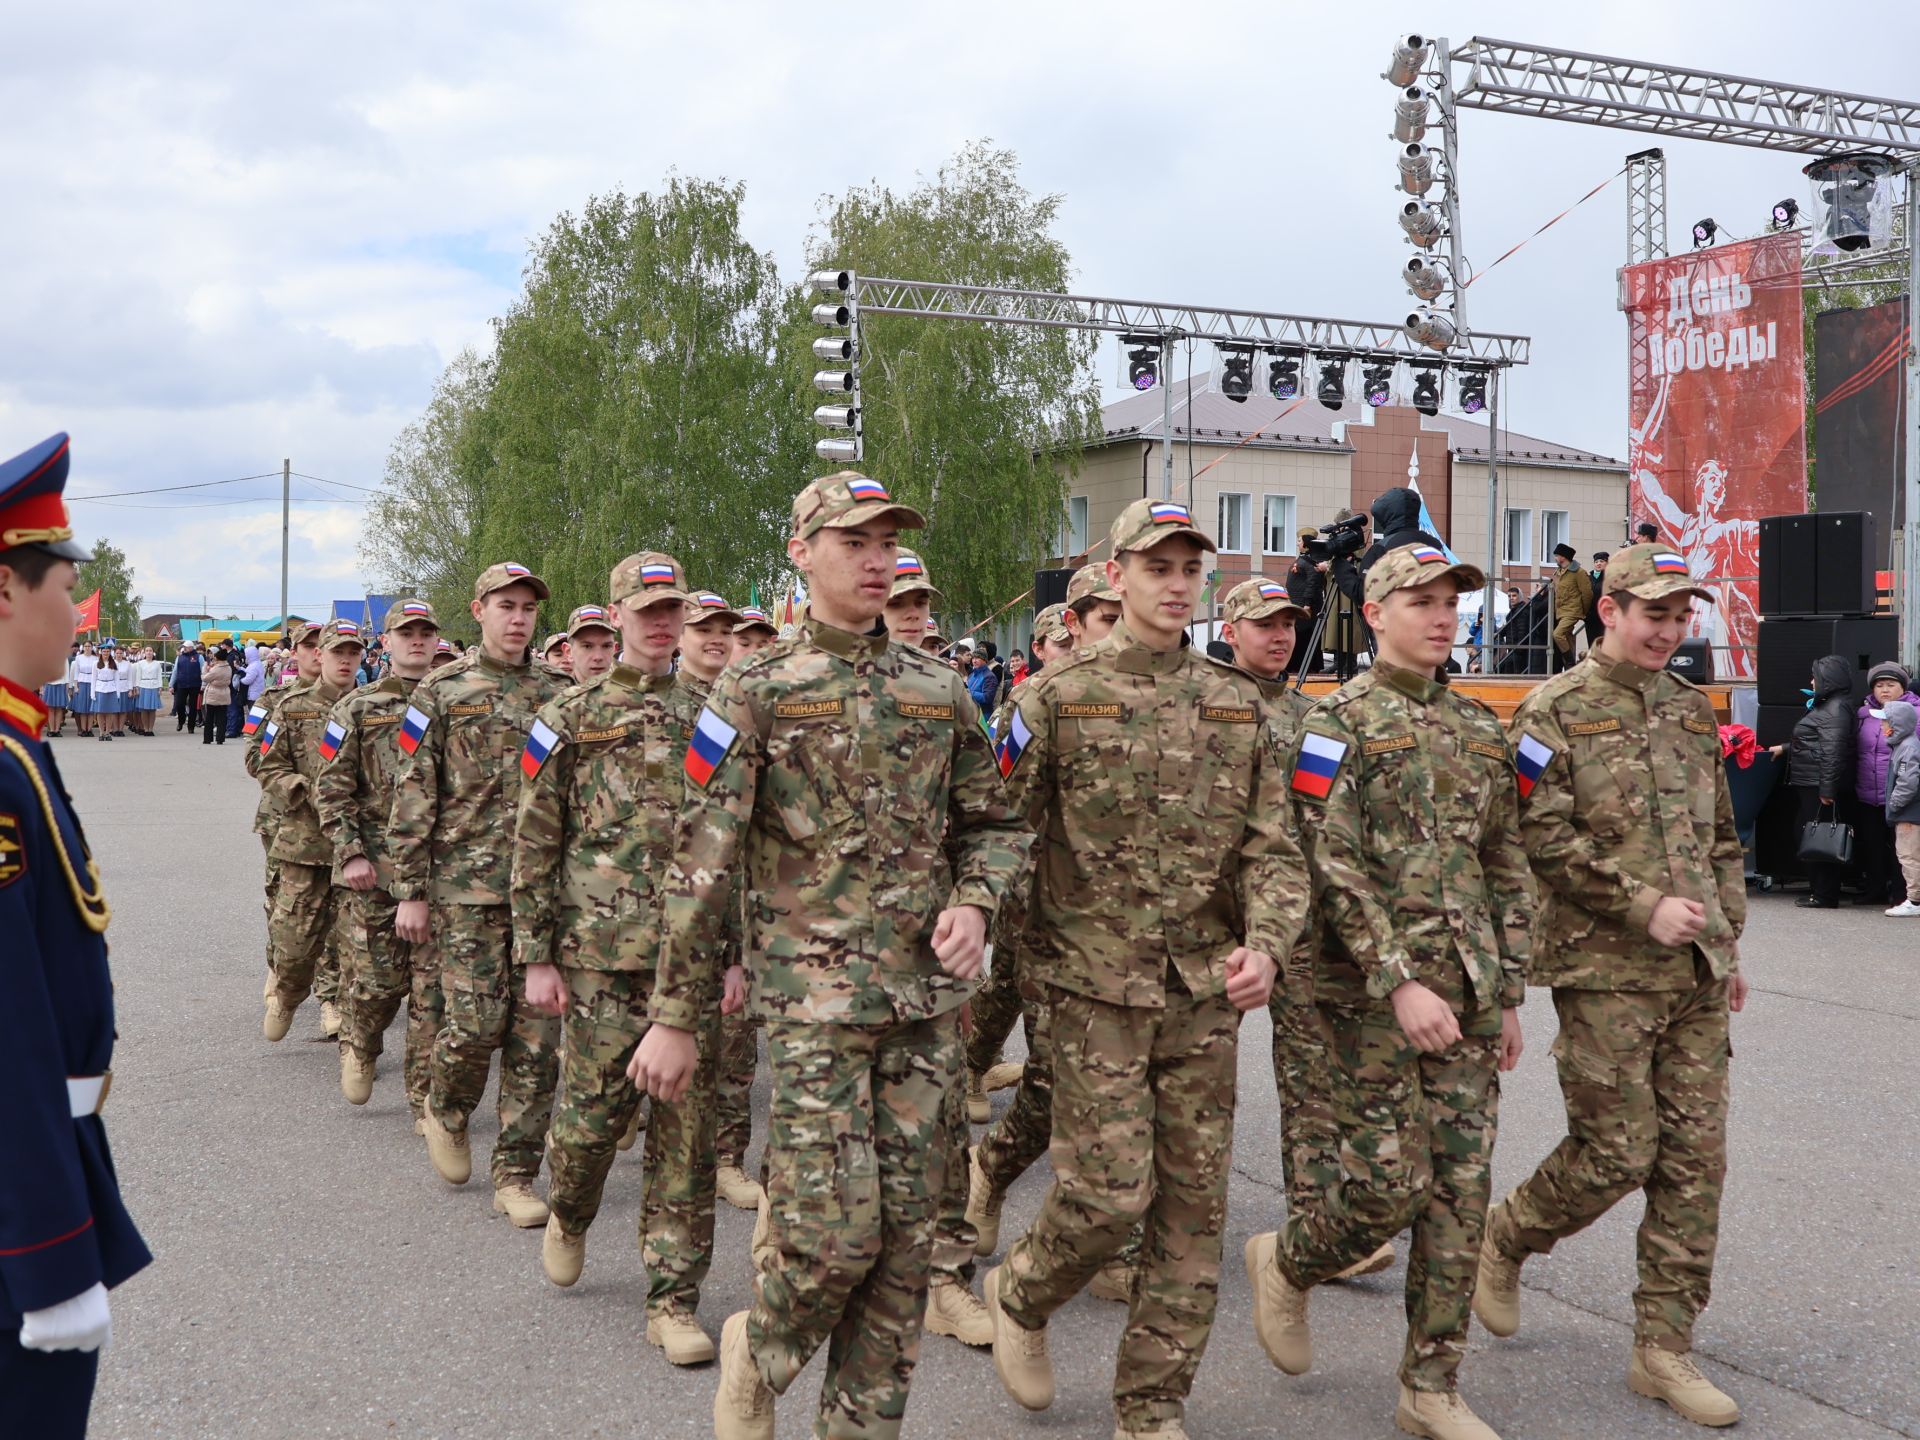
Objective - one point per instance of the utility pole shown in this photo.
(286, 506)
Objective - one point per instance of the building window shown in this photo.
(1556, 528)
(1073, 528)
(1234, 536)
(1519, 537)
(1280, 512)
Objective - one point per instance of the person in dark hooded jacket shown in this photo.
(1820, 759)
(1396, 522)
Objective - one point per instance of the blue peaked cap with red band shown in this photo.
(33, 508)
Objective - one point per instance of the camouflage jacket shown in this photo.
(266, 815)
(594, 834)
(827, 769)
(450, 836)
(290, 760)
(1405, 792)
(1158, 790)
(354, 791)
(1626, 802)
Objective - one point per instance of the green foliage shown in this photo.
(110, 573)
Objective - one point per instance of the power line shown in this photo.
(344, 484)
(213, 504)
(164, 489)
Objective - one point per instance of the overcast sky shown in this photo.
(236, 234)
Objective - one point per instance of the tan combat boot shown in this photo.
(1439, 1415)
(1113, 1281)
(953, 1309)
(1671, 1375)
(419, 1124)
(329, 1020)
(679, 1337)
(518, 1203)
(983, 1207)
(356, 1076)
(1279, 1310)
(1003, 1076)
(279, 1017)
(562, 1256)
(743, 1405)
(448, 1151)
(1020, 1356)
(1373, 1264)
(736, 1187)
(634, 1126)
(1496, 1291)
(979, 1109)
(761, 1247)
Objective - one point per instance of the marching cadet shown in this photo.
(591, 844)
(848, 781)
(295, 745)
(593, 643)
(1167, 881)
(555, 654)
(1406, 801)
(353, 796)
(910, 607)
(1625, 813)
(739, 1032)
(1093, 605)
(934, 642)
(707, 643)
(445, 653)
(450, 846)
(1261, 626)
(266, 814)
(65, 1236)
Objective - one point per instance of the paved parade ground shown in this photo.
(314, 1278)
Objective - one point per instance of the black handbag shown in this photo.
(1826, 842)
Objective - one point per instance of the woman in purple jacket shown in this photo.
(1872, 839)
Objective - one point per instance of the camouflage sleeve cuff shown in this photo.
(404, 890)
(1513, 993)
(674, 1014)
(1389, 975)
(976, 894)
(1640, 911)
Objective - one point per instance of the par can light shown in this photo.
(1416, 169)
(1410, 114)
(1434, 331)
(1421, 222)
(1409, 54)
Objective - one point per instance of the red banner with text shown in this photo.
(1717, 418)
(86, 615)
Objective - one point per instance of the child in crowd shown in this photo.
(1903, 797)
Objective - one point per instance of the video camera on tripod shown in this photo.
(1341, 538)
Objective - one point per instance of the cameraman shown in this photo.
(1347, 634)
(1396, 521)
(1306, 587)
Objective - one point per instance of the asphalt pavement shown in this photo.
(313, 1278)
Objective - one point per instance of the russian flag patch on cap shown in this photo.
(590, 612)
(513, 569)
(1529, 763)
(255, 714)
(1427, 555)
(712, 739)
(861, 488)
(1015, 744)
(753, 612)
(1318, 766)
(1667, 563)
(540, 743)
(417, 607)
(413, 729)
(345, 627)
(710, 601)
(1271, 591)
(656, 575)
(1166, 512)
(332, 739)
(908, 565)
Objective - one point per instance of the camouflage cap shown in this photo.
(1146, 523)
(1406, 565)
(707, 606)
(498, 577)
(910, 576)
(446, 647)
(307, 633)
(752, 617)
(411, 611)
(336, 633)
(647, 579)
(1651, 572)
(847, 498)
(1090, 583)
(1258, 598)
(589, 617)
(558, 637)
(1051, 624)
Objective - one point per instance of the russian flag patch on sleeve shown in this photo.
(1318, 766)
(269, 735)
(540, 743)
(712, 739)
(1015, 744)
(413, 729)
(1529, 763)
(332, 739)
(255, 714)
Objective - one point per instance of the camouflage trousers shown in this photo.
(604, 1024)
(1416, 1149)
(855, 1164)
(1644, 1077)
(1309, 1138)
(953, 1234)
(272, 889)
(995, 1007)
(426, 1015)
(378, 972)
(300, 933)
(486, 1010)
(1142, 1132)
(1021, 1134)
(739, 1056)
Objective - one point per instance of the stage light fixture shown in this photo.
(1424, 278)
(1143, 366)
(1283, 374)
(1426, 327)
(834, 348)
(1473, 391)
(1416, 169)
(1703, 233)
(1410, 114)
(1409, 54)
(1784, 213)
(1422, 223)
(841, 354)
(836, 417)
(831, 282)
(1847, 185)
(1426, 389)
(833, 382)
(1332, 392)
(845, 451)
(1236, 372)
(832, 315)
(1377, 384)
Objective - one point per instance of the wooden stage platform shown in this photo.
(1503, 695)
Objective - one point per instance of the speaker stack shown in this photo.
(1050, 588)
(1818, 595)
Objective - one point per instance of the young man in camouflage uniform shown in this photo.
(1166, 882)
(1093, 605)
(353, 795)
(739, 1032)
(554, 654)
(266, 815)
(1628, 822)
(848, 782)
(1407, 808)
(593, 642)
(293, 751)
(451, 849)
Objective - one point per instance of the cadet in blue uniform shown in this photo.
(65, 1238)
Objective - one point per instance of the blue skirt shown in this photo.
(54, 696)
(149, 698)
(83, 699)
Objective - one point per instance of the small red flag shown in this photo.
(86, 615)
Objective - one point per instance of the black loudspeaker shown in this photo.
(1693, 660)
(1844, 557)
(1050, 588)
(1788, 649)
(1771, 527)
(1787, 565)
(1774, 724)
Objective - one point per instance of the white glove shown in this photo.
(82, 1323)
